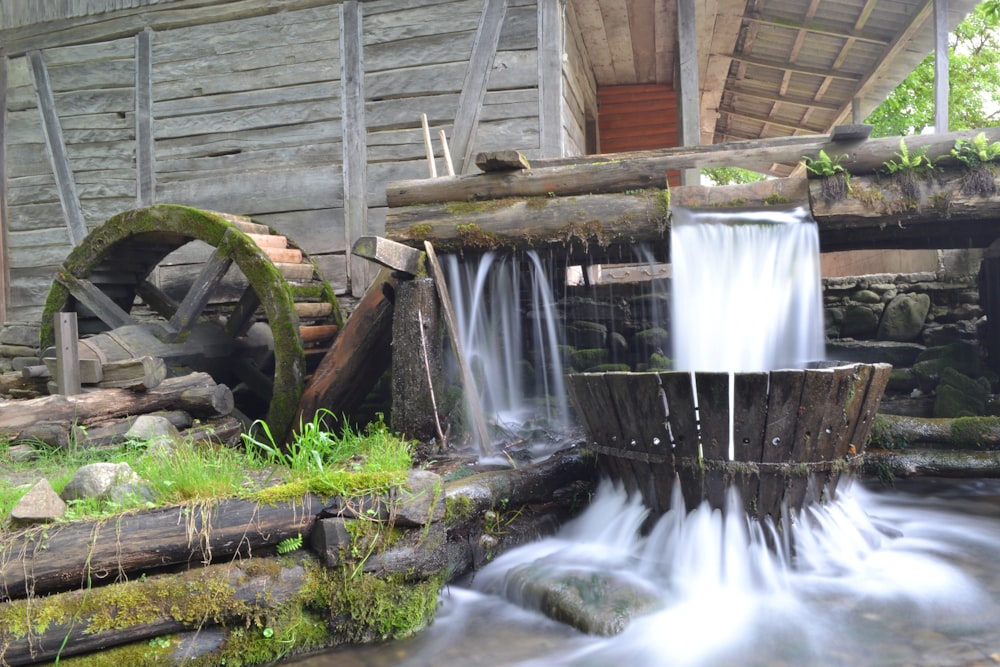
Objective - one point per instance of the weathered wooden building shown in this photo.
(299, 112)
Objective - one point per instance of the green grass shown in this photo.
(318, 460)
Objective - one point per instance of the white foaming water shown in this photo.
(746, 291)
(726, 599)
(491, 296)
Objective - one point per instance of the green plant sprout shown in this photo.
(976, 152)
(824, 165)
(289, 544)
(907, 162)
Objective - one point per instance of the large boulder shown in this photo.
(958, 395)
(100, 481)
(903, 317)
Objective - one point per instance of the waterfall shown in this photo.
(507, 325)
(746, 292)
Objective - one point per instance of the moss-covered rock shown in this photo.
(962, 357)
(958, 395)
(903, 317)
(858, 321)
(581, 360)
(587, 334)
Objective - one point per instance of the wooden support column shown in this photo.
(355, 139)
(4, 266)
(687, 44)
(417, 368)
(470, 102)
(145, 174)
(67, 354)
(56, 149)
(550, 88)
(940, 66)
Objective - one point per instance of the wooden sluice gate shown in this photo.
(794, 432)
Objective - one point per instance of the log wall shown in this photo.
(245, 107)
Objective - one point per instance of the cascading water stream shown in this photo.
(506, 320)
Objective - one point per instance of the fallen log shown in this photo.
(39, 561)
(618, 172)
(970, 433)
(196, 393)
(886, 464)
(130, 611)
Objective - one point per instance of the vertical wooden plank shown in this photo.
(355, 140)
(4, 266)
(56, 150)
(145, 175)
(590, 394)
(784, 393)
(873, 396)
(550, 83)
(749, 419)
(713, 418)
(470, 101)
(684, 432)
(67, 354)
(687, 43)
(638, 402)
(842, 413)
(817, 392)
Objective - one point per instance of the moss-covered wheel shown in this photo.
(253, 277)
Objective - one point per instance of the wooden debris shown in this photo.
(390, 254)
(502, 161)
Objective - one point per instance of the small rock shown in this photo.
(97, 480)
(39, 505)
(22, 453)
(422, 501)
(157, 432)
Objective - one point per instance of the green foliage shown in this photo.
(977, 152)
(732, 175)
(916, 162)
(289, 544)
(973, 81)
(824, 165)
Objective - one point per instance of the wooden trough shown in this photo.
(794, 432)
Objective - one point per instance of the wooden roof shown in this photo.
(767, 68)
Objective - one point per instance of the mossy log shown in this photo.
(970, 433)
(887, 464)
(196, 393)
(571, 225)
(39, 630)
(876, 213)
(44, 559)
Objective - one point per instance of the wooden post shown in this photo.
(474, 407)
(687, 40)
(417, 368)
(67, 354)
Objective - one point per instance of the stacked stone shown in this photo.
(18, 346)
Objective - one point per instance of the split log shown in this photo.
(360, 354)
(82, 555)
(618, 172)
(196, 393)
(886, 464)
(417, 366)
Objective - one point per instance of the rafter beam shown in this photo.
(770, 121)
(796, 100)
(815, 28)
(798, 69)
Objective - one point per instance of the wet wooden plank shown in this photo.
(779, 433)
(589, 393)
(749, 419)
(713, 418)
(683, 424)
(873, 396)
(816, 393)
(639, 404)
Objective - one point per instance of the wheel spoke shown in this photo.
(160, 302)
(197, 297)
(90, 295)
(241, 317)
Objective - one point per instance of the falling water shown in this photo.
(746, 292)
(506, 322)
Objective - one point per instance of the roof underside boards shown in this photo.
(768, 68)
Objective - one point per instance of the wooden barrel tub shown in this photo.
(794, 433)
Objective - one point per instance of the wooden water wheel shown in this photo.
(255, 285)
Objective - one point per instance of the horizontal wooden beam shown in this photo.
(797, 100)
(622, 172)
(770, 120)
(786, 66)
(815, 28)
